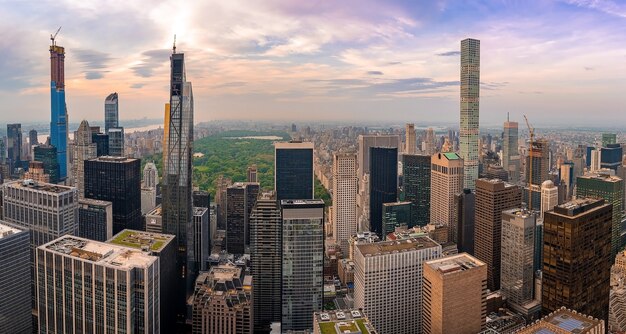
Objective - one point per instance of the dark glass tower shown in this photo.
(176, 181)
(293, 172)
(611, 156)
(32, 137)
(235, 219)
(464, 204)
(58, 122)
(47, 154)
(111, 114)
(116, 180)
(14, 146)
(416, 187)
(102, 143)
(383, 183)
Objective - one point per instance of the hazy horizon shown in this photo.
(559, 62)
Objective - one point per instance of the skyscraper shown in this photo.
(84, 149)
(302, 262)
(539, 159)
(116, 142)
(395, 214)
(32, 137)
(111, 113)
(411, 142)
(116, 180)
(113, 288)
(604, 184)
(102, 143)
(265, 255)
(510, 153)
(464, 208)
(608, 138)
(416, 186)
(59, 119)
(577, 264)
(454, 295)
(549, 197)
(236, 218)
(177, 168)
(611, 156)
(517, 279)
(368, 141)
(492, 197)
(252, 174)
(393, 303)
(47, 154)
(344, 198)
(14, 146)
(15, 306)
(293, 170)
(150, 175)
(470, 92)
(446, 180)
(95, 219)
(383, 184)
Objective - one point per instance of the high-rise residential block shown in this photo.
(84, 149)
(150, 175)
(416, 187)
(252, 174)
(410, 147)
(33, 140)
(446, 180)
(252, 194)
(58, 119)
(539, 159)
(293, 170)
(517, 274)
(47, 154)
(567, 179)
(344, 198)
(577, 257)
(388, 282)
(222, 301)
(15, 304)
(14, 146)
(429, 147)
(90, 286)
(492, 197)
(454, 295)
(510, 152)
(395, 214)
(265, 255)
(148, 199)
(464, 208)
(177, 174)
(302, 262)
(604, 184)
(116, 180)
(383, 183)
(116, 142)
(470, 92)
(95, 219)
(162, 246)
(111, 112)
(236, 218)
(342, 321)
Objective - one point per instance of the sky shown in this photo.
(558, 62)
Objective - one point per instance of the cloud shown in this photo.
(493, 85)
(605, 6)
(587, 68)
(231, 84)
(94, 62)
(449, 54)
(374, 73)
(137, 85)
(151, 59)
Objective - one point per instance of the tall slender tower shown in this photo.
(411, 142)
(84, 149)
(177, 190)
(58, 121)
(111, 113)
(470, 89)
(344, 198)
(510, 153)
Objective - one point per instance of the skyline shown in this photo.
(552, 60)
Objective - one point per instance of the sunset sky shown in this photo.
(559, 62)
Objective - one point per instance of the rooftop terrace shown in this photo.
(343, 322)
(141, 240)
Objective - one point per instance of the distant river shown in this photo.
(42, 138)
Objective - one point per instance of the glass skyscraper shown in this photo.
(383, 183)
(15, 307)
(470, 89)
(14, 146)
(293, 174)
(176, 181)
(116, 142)
(111, 113)
(416, 187)
(58, 122)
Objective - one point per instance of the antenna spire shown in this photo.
(174, 46)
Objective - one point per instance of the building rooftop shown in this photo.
(388, 247)
(349, 321)
(606, 175)
(451, 156)
(397, 203)
(293, 145)
(113, 159)
(455, 263)
(141, 240)
(90, 201)
(103, 253)
(301, 202)
(199, 211)
(42, 186)
(578, 207)
(156, 211)
(564, 321)
(6, 230)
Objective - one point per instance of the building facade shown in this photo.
(95, 219)
(577, 257)
(293, 170)
(84, 149)
(465, 206)
(47, 154)
(470, 92)
(344, 198)
(510, 152)
(14, 147)
(416, 186)
(395, 214)
(58, 119)
(111, 112)
(492, 197)
(383, 183)
(388, 281)
(446, 180)
(15, 306)
(302, 262)
(116, 142)
(410, 146)
(454, 295)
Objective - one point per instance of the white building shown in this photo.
(344, 198)
(549, 197)
(388, 280)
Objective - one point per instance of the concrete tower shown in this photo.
(344, 198)
(470, 89)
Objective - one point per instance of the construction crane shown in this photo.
(52, 37)
(531, 131)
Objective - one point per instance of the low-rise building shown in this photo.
(565, 321)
